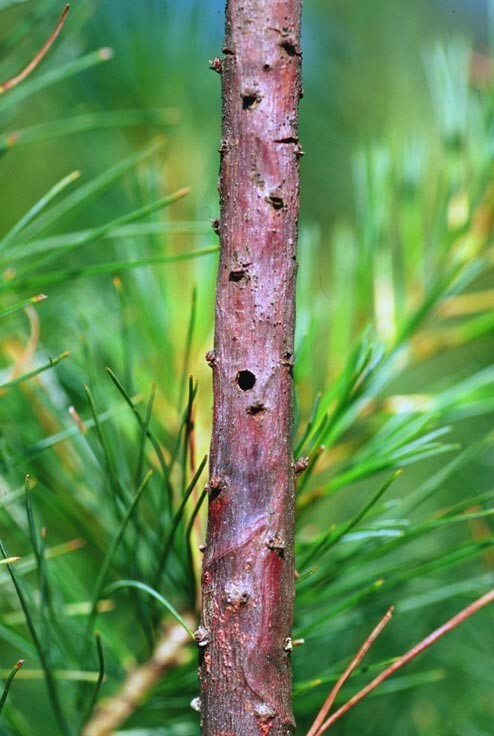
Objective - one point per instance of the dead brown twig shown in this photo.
(36, 60)
(314, 730)
(319, 728)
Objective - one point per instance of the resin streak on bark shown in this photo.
(248, 572)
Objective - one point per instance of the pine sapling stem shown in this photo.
(248, 569)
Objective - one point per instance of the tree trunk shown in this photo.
(248, 570)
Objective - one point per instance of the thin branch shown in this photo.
(36, 60)
(411, 654)
(328, 703)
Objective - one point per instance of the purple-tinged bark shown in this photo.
(248, 570)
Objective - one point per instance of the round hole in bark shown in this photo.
(289, 45)
(275, 201)
(249, 101)
(245, 380)
(237, 276)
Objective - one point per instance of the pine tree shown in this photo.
(248, 570)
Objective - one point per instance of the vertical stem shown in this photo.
(248, 570)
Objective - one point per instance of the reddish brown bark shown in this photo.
(248, 571)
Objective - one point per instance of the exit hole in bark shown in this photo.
(245, 380)
(249, 101)
(214, 487)
(237, 276)
(256, 409)
(289, 46)
(288, 139)
(213, 493)
(275, 201)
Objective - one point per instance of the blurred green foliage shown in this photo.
(394, 354)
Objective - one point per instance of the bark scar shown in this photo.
(259, 526)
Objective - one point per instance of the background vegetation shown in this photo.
(394, 353)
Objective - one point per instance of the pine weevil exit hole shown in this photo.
(245, 380)
(237, 276)
(250, 100)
